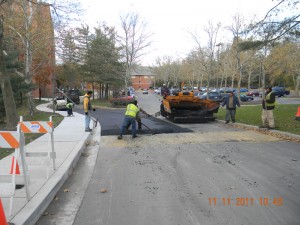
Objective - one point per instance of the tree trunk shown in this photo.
(8, 97)
(9, 103)
(106, 91)
(232, 80)
(40, 94)
(297, 85)
(249, 80)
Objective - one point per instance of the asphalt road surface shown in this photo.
(198, 174)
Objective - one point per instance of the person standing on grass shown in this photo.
(268, 105)
(231, 102)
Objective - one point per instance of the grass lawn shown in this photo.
(38, 116)
(251, 115)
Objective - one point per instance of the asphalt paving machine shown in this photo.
(185, 107)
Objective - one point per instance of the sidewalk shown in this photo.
(69, 141)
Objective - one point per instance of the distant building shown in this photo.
(142, 78)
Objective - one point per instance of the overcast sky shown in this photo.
(170, 20)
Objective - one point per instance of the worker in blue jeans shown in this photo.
(129, 119)
(87, 107)
(231, 102)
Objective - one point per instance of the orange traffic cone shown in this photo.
(2, 215)
(298, 114)
(12, 167)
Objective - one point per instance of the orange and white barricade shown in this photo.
(14, 140)
(40, 127)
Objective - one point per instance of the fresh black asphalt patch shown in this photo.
(111, 121)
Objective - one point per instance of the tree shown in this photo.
(70, 60)
(164, 69)
(103, 58)
(242, 57)
(284, 64)
(8, 100)
(281, 24)
(207, 53)
(274, 27)
(31, 28)
(134, 41)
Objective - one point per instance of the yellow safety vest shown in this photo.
(131, 110)
(268, 98)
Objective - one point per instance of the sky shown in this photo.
(170, 21)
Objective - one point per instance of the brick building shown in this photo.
(142, 79)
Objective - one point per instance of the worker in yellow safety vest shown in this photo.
(87, 107)
(69, 106)
(268, 105)
(129, 119)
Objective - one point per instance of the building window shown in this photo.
(146, 77)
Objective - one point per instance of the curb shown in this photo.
(279, 134)
(35, 208)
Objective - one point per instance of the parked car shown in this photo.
(253, 93)
(60, 102)
(145, 91)
(214, 96)
(243, 90)
(73, 95)
(158, 90)
(280, 91)
(245, 98)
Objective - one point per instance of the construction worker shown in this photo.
(268, 105)
(69, 106)
(129, 119)
(87, 108)
(165, 91)
(139, 119)
(231, 102)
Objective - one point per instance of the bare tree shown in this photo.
(281, 23)
(238, 31)
(207, 54)
(134, 42)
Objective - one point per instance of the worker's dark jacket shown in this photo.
(165, 91)
(269, 102)
(235, 102)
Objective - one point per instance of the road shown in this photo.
(198, 174)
